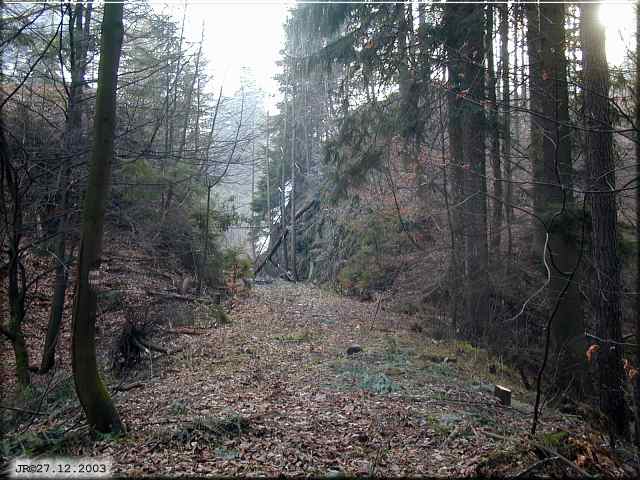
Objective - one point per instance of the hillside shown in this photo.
(320, 238)
(275, 391)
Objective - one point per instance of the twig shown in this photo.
(175, 296)
(547, 344)
(42, 397)
(131, 386)
(21, 410)
(563, 459)
(451, 436)
(531, 468)
(602, 340)
(185, 331)
(496, 436)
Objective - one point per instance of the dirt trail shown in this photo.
(275, 392)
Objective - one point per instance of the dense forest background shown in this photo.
(471, 167)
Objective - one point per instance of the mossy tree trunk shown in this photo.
(94, 398)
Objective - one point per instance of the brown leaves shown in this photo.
(281, 364)
(630, 370)
(593, 349)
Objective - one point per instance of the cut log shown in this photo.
(503, 394)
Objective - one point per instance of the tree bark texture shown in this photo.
(95, 400)
(607, 301)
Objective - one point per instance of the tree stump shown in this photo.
(503, 394)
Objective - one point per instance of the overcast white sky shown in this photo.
(249, 33)
(236, 35)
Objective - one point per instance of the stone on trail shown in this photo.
(353, 349)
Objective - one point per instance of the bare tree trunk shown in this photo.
(253, 194)
(636, 387)
(553, 166)
(78, 39)
(170, 111)
(506, 125)
(455, 107)
(187, 113)
(12, 215)
(292, 195)
(95, 400)
(494, 128)
(475, 211)
(607, 301)
(283, 197)
(267, 154)
(12, 211)
(516, 71)
(407, 113)
(534, 50)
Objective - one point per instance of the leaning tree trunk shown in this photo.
(607, 288)
(95, 400)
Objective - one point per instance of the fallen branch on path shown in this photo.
(131, 386)
(563, 459)
(528, 470)
(151, 346)
(183, 331)
(175, 296)
(21, 410)
(452, 435)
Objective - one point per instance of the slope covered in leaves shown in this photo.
(276, 392)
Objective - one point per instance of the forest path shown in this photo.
(275, 392)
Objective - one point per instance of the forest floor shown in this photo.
(275, 392)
